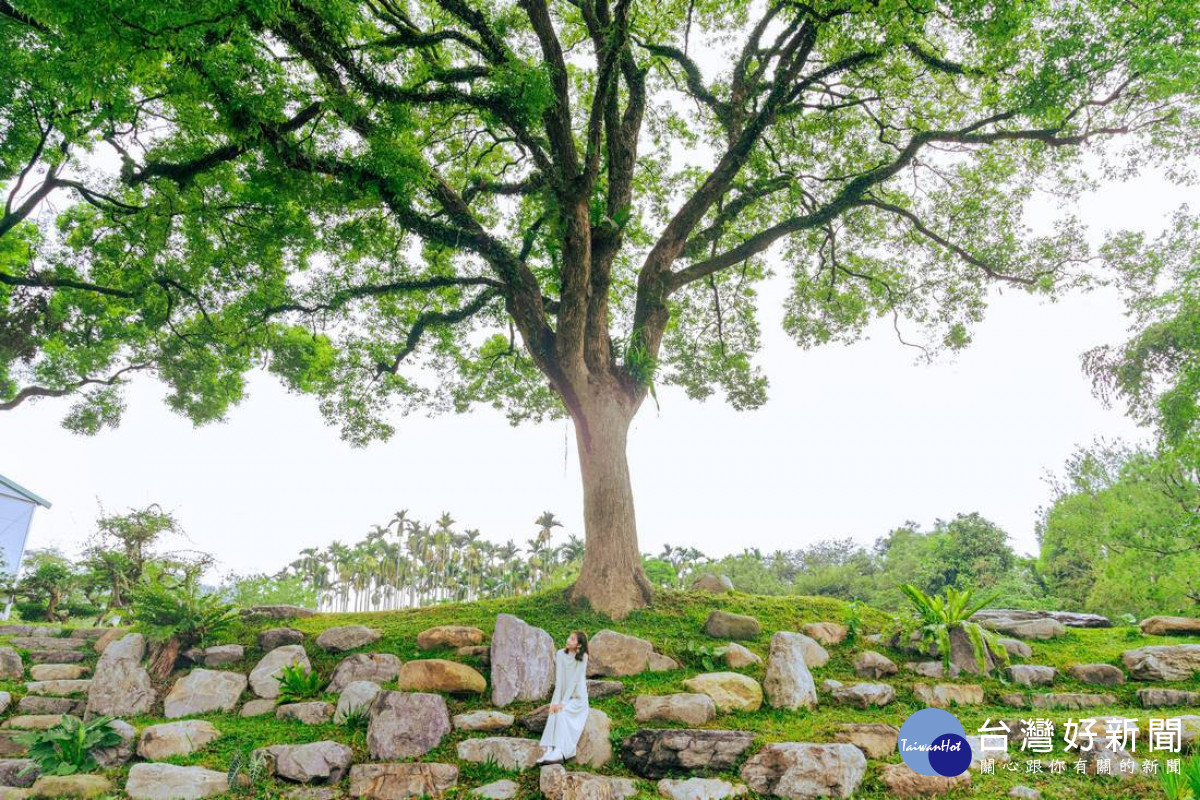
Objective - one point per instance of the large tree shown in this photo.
(547, 205)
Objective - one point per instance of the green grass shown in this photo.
(674, 623)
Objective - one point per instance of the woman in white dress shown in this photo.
(569, 705)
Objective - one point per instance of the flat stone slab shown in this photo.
(401, 781)
(508, 752)
(1071, 619)
(657, 752)
(58, 688)
(171, 782)
(47, 643)
(1073, 701)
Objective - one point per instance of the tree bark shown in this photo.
(611, 580)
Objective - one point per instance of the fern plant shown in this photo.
(165, 606)
(941, 615)
(1185, 784)
(68, 747)
(298, 683)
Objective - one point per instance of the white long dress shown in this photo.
(570, 689)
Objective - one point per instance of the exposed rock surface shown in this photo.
(170, 782)
(802, 770)
(869, 664)
(406, 724)
(1098, 674)
(827, 633)
(1073, 701)
(522, 661)
(903, 782)
(508, 752)
(875, 739)
(121, 686)
(730, 691)
(1168, 626)
(1031, 675)
(865, 695)
(556, 783)
(1178, 662)
(713, 584)
(943, 695)
(617, 655)
(654, 752)
(375, 667)
(315, 762)
(264, 678)
(737, 656)
(483, 720)
(160, 742)
(788, 683)
(449, 636)
(699, 789)
(399, 781)
(203, 691)
(357, 697)
(1071, 619)
(689, 709)
(347, 637)
(310, 713)
(728, 625)
(277, 637)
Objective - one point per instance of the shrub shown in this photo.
(941, 615)
(68, 747)
(297, 683)
(167, 606)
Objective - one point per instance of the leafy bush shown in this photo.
(67, 748)
(357, 718)
(700, 656)
(246, 772)
(166, 606)
(1185, 784)
(941, 615)
(297, 683)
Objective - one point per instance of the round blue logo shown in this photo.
(933, 742)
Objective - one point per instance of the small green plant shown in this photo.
(357, 718)
(941, 615)
(698, 655)
(170, 607)
(246, 772)
(68, 747)
(296, 682)
(1185, 784)
(854, 622)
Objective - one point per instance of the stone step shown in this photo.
(57, 656)
(36, 704)
(47, 643)
(58, 688)
(58, 672)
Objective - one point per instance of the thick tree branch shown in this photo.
(433, 319)
(32, 392)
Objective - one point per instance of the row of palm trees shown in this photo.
(406, 564)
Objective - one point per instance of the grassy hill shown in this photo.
(675, 626)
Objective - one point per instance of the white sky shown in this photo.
(854, 441)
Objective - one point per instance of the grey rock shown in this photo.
(1161, 698)
(11, 666)
(32, 704)
(1031, 675)
(222, 655)
(713, 584)
(347, 637)
(1098, 674)
(656, 752)
(277, 637)
(406, 724)
(943, 695)
(277, 612)
(264, 678)
(728, 625)
(160, 742)
(315, 762)
(13, 772)
(556, 783)
(374, 667)
(1178, 662)
(356, 697)
(865, 695)
(508, 752)
(598, 689)
(875, 739)
(1071, 619)
(869, 664)
(522, 662)
(121, 686)
(799, 770)
(449, 636)
(258, 707)
(1073, 701)
(399, 781)
(311, 713)
(120, 753)
(204, 691)
(689, 709)
(58, 672)
(503, 789)
(170, 782)
(616, 655)
(483, 720)
(788, 683)
(699, 789)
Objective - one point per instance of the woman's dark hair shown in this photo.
(581, 639)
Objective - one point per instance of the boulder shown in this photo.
(449, 636)
(699, 789)
(869, 664)
(19, 772)
(258, 708)
(277, 612)
(483, 720)
(1189, 725)
(31, 704)
(713, 584)
(58, 688)
(931, 669)
(814, 654)
(788, 683)
(598, 689)
(660, 663)
(315, 762)
(503, 789)
(11, 666)
(1031, 675)
(616, 655)
(357, 697)
(1040, 629)
(555, 783)
(374, 667)
(1177, 662)
(827, 633)
(169, 782)
(737, 656)
(656, 752)
(222, 655)
(74, 787)
(1170, 626)
(277, 637)
(903, 782)
(57, 672)
(865, 695)
(875, 739)
(943, 695)
(33, 722)
(594, 748)
(1098, 674)
(120, 753)
(204, 691)
(1073, 701)
(406, 724)
(1016, 648)
(264, 678)
(728, 625)
(689, 709)
(108, 637)
(799, 770)
(6, 701)
(830, 685)
(311, 713)
(121, 686)
(440, 675)
(347, 637)
(730, 691)
(482, 652)
(535, 720)
(1071, 619)
(1163, 698)
(522, 662)
(160, 742)
(1014, 699)
(400, 781)
(508, 752)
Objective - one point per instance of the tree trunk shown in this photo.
(163, 658)
(611, 579)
